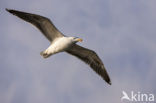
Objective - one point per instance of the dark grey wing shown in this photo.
(42, 23)
(91, 58)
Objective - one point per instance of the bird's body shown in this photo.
(59, 45)
(62, 43)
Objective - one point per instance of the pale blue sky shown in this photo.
(122, 32)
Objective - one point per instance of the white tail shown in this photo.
(44, 54)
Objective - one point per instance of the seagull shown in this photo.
(62, 43)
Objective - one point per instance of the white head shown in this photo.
(75, 39)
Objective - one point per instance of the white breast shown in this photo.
(59, 45)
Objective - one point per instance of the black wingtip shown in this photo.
(107, 79)
(110, 83)
(7, 9)
(10, 10)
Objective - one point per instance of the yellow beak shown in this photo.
(79, 39)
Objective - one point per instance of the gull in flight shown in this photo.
(62, 43)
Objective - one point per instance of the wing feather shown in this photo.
(91, 58)
(42, 23)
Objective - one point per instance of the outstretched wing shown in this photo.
(91, 58)
(42, 23)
